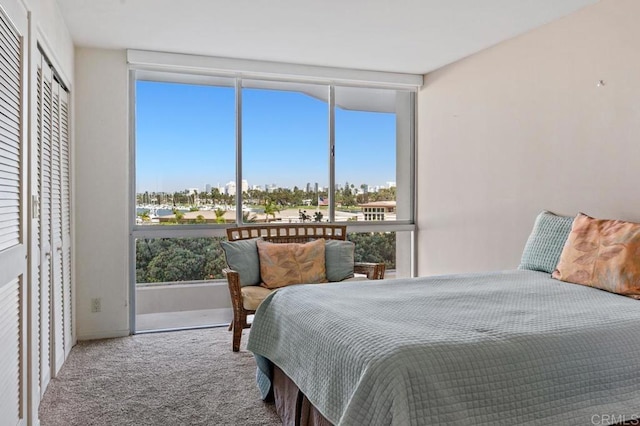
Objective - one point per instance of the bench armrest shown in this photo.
(373, 271)
(233, 280)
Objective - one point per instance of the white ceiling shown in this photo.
(409, 36)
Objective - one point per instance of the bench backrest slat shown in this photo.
(288, 233)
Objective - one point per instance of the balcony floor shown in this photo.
(183, 319)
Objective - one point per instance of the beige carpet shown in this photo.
(175, 378)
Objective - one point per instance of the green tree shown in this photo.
(176, 264)
(375, 247)
(215, 262)
(364, 197)
(179, 259)
(270, 209)
(144, 215)
(385, 194)
(215, 196)
(220, 216)
(255, 196)
(248, 217)
(297, 196)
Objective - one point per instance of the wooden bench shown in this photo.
(283, 233)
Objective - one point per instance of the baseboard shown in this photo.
(103, 335)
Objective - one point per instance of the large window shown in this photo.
(216, 151)
(297, 163)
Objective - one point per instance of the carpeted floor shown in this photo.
(175, 378)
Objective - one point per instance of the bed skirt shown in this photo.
(294, 408)
(291, 405)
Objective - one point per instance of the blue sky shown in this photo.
(185, 138)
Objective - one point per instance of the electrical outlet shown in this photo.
(96, 305)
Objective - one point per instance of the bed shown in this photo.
(500, 348)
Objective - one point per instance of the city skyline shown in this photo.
(272, 186)
(184, 131)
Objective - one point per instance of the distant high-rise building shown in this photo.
(230, 188)
(391, 184)
(245, 185)
(207, 188)
(308, 187)
(315, 187)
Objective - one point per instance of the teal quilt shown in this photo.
(502, 348)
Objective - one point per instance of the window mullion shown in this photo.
(332, 155)
(239, 151)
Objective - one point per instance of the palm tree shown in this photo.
(144, 215)
(220, 216)
(248, 217)
(215, 195)
(365, 193)
(270, 209)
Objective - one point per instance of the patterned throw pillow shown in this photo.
(603, 254)
(543, 248)
(283, 264)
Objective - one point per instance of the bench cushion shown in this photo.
(253, 295)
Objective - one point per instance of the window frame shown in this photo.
(219, 229)
(164, 67)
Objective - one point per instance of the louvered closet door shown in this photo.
(54, 224)
(12, 221)
(65, 165)
(45, 77)
(57, 296)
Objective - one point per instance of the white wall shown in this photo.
(102, 194)
(523, 127)
(53, 35)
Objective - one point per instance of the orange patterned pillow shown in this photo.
(602, 253)
(282, 264)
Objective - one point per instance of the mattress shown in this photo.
(509, 347)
